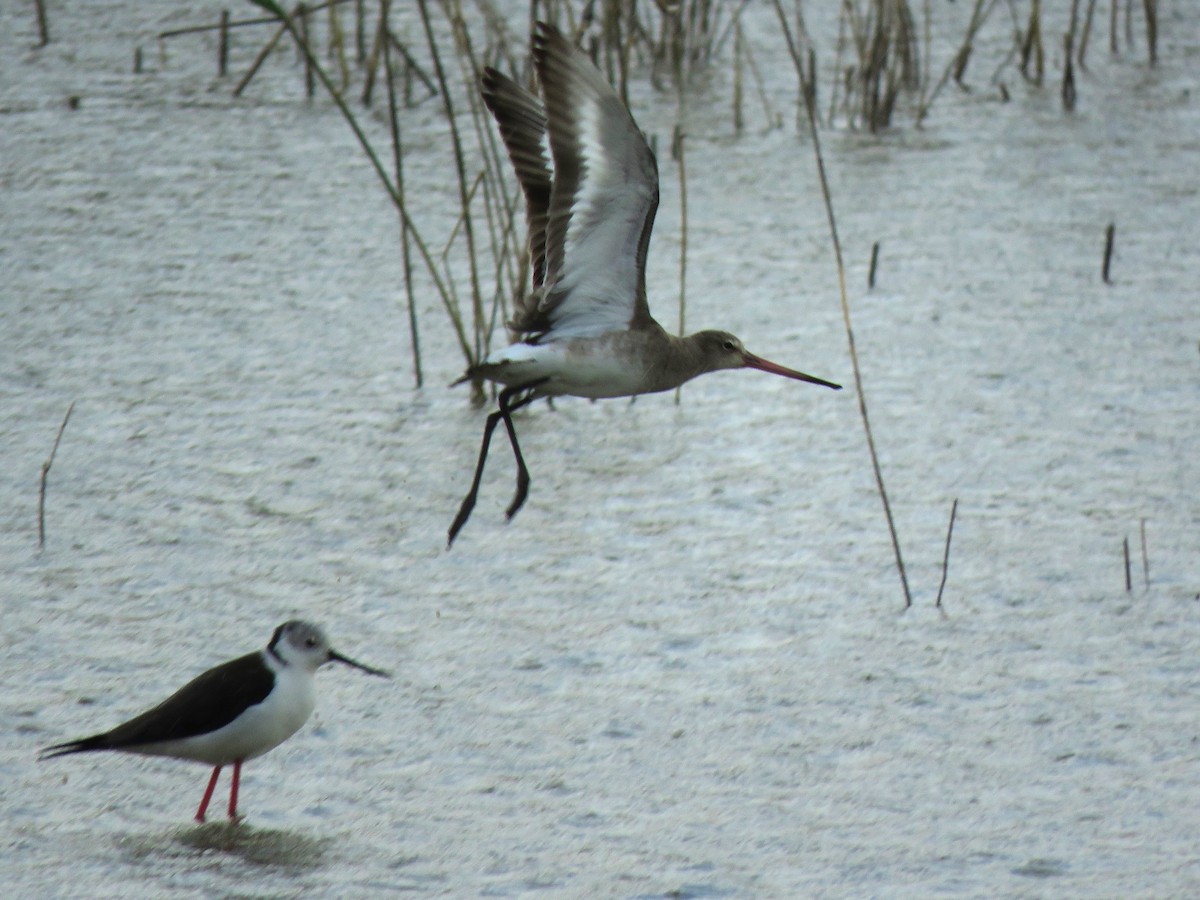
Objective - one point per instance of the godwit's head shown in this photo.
(722, 350)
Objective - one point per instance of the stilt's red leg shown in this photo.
(233, 789)
(212, 783)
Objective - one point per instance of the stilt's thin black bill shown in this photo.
(337, 657)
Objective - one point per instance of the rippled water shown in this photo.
(683, 668)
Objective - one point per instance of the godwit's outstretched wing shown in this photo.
(603, 199)
(522, 122)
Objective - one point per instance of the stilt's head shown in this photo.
(305, 645)
(721, 350)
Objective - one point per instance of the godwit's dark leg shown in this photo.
(503, 413)
(468, 504)
(233, 789)
(506, 410)
(212, 784)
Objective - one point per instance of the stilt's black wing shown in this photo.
(204, 704)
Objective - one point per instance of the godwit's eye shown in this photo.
(310, 642)
(728, 346)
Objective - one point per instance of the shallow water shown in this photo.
(683, 667)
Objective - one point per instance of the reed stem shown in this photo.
(1150, 8)
(1110, 235)
(463, 182)
(259, 60)
(1145, 554)
(45, 472)
(310, 61)
(43, 25)
(841, 271)
(398, 164)
(223, 45)
(946, 554)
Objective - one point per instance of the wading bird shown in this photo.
(585, 330)
(231, 713)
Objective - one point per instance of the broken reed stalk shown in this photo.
(841, 271)
(398, 163)
(45, 472)
(874, 262)
(223, 45)
(1150, 8)
(1110, 234)
(1128, 574)
(42, 25)
(259, 60)
(463, 183)
(1145, 555)
(946, 554)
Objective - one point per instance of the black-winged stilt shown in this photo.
(231, 713)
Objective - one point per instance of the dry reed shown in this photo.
(841, 272)
(45, 474)
(43, 25)
(946, 553)
(1110, 234)
(1145, 554)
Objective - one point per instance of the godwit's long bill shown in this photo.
(585, 329)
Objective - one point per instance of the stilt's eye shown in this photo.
(310, 642)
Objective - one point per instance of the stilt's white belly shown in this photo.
(260, 728)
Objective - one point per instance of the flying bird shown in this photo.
(585, 329)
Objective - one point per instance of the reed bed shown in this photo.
(881, 73)
(886, 68)
(346, 46)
